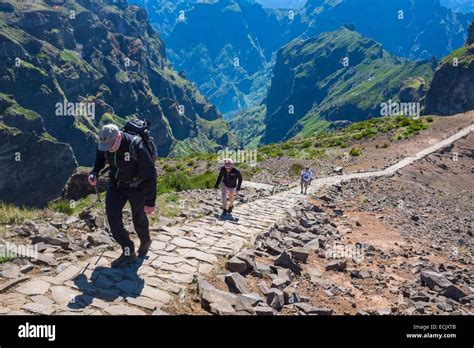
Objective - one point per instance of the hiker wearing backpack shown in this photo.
(132, 178)
(306, 178)
(230, 180)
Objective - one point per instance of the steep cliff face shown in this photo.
(103, 54)
(451, 91)
(34, 165)
(336, 76)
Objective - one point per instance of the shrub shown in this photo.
(295, 169)
(369, 132)
(10, 214)
(355, 152)
(179, 181)
(61, 206)
(305, 144)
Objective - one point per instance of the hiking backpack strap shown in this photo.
(133, 147)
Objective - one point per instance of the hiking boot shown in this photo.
(224, 212)
(230, 209)
(124, 260)
(143, 249)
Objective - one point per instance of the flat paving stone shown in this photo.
(122, 309)
(33, 287)
(142, 302)
(11, 271)
(63, 295)
(171, 259)
(68, 273)
(38, 308)
(156, 294)
(42, 300)
(14, 300)
(196, 254)
(183, 243)
(164, 285)
(178, 278)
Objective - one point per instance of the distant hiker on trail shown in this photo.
(132, 178)
(306, 177)
(230, 180)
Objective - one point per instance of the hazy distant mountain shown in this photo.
(415, 29)
(462, 6)
(208, 39)
(294, 4)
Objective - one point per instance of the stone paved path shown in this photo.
(177, 255)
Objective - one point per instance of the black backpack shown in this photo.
(141, 131)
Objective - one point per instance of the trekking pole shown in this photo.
(102, 172)
(87, 266)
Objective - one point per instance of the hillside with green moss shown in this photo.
(100, 52)
(104, 55)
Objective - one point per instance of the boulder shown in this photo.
(263, 309)
(211, 295)
(279, 283)
(336, 265)
(221, 308)
(290, 295)
(311, 310)
(434, 279)
(77, 187)
(236, 283)
(300, 254)
(361, 274)
(275, 298)
(62, 242)
(286, 260)
(453, 292)
(236, 265)
(248, 259)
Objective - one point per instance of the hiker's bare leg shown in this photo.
(231, 198)
(224, 198)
